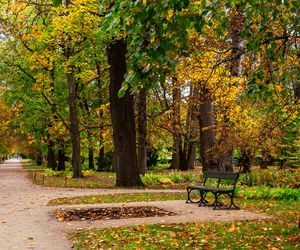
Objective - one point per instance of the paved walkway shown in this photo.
(26, 223)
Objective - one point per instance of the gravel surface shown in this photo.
(26, 221)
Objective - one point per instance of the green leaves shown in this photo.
(56, 2)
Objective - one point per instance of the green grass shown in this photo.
(244, 193)
(114, 198)
(34, 167)
(63, 179)
(25, 160)
(278, 233)
(160, 166)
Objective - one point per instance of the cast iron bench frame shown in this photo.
(216, 191)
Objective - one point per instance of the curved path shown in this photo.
(26, 223)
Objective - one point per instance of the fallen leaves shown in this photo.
(107, 213)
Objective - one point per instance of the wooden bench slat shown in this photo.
(221, 175)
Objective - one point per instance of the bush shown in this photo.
(265, 192)
(104, 163)
(279, 178)
(87, 173)
(51, 173)
(177, 177)
(152, 156)
(151, 178)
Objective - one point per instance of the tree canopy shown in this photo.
(191, 80)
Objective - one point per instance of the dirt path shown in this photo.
(25, 221)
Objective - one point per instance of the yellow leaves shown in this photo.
(30, 139)
(170, 14)
(77, 19)
(234, 228)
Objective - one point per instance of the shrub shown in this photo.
(275, 178)
(104, 163)
(51, 173)
(151, 178)
(265, 192)
(87, 173)
(166, 181)
(176, 177)
(152, 156)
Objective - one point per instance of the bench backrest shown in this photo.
(221, 175)
(231, 176)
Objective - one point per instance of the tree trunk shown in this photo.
(175, 163)
(72, 99)
(188, 154)
(246, 161)
(38, 158)
(51, 156)
(207, 133)
(123, 122)
(75, 134)
(91, 150)
(101, 115)
(61, 158)
(177, 143)
(142, 131)
(225, 161)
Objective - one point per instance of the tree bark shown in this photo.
(246, 161)
(142, 131)
(72, 99)
(123, 122)
(101, 115)
(175, 164)
(225, 161)
(188, 154)
(61, 157)
(91, 150)
(38, 158)
(75, 134)
(207, 133)
(51, 161)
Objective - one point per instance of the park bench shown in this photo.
(225, 185)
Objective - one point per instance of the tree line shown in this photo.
(86, 78)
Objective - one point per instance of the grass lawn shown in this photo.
(280, 232)
(166, 179)
(34, 167)
(114, 198)
(244, 193)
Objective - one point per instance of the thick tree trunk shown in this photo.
(175, 163)
(225, 161)
(38, 158)
(51, 161)
(142, 131)
(246, 161)
(188, 154)
(61, 158)
(75, 134)
(101, 115)
(123, 122)
(207, 133)
(72, 99)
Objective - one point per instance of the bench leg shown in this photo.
(203, 201)
(217, 202)
(189, 200)
(232, 203)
